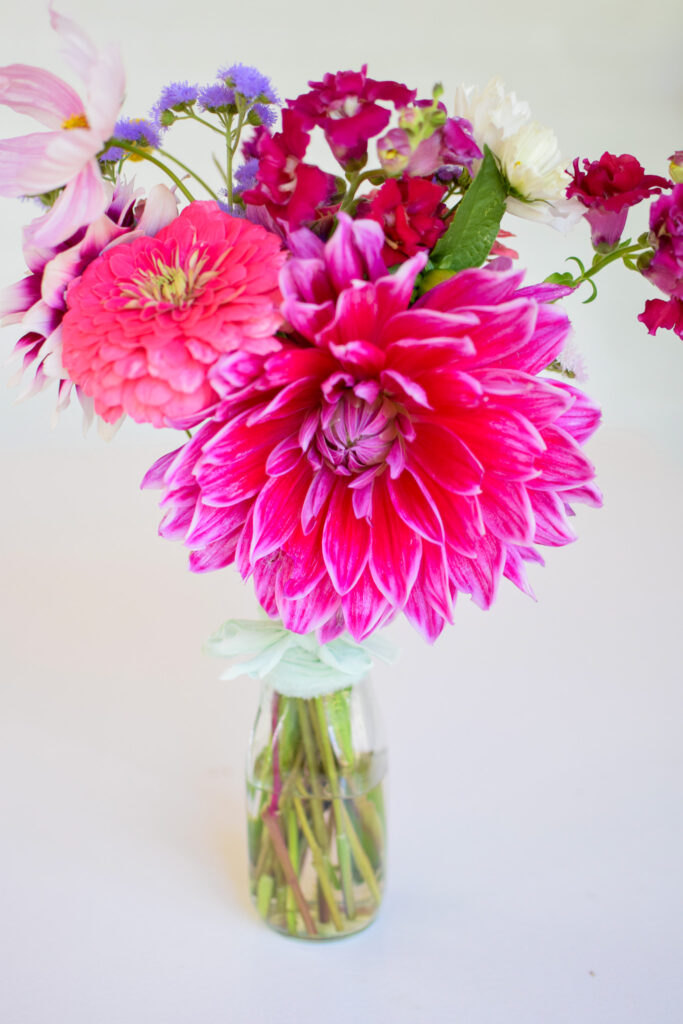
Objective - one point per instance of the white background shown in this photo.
(536, 766)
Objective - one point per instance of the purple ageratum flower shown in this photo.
(140, 130)
(216, 96)
(245, 175)
(265, 115)
(249, 82)
(175, 96)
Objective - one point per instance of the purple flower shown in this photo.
(139, 130)
(216, 97)
(665, 269)
(175, 96)
(264, 114)
(249, 82)
(245, 175)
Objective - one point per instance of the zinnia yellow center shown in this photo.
(75, 121)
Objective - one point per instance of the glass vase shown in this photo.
(316, 826)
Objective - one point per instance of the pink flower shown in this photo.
(147, 320)
(444, 153)
(608, 187)
(38, 302)
(347, 106)
(411, 214)
(391, 455)
(665, 268)
(290, 189)
(65, 155)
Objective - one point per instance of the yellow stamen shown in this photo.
(75, 121)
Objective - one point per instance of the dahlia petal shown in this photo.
(444, 457)
(410, 325)
(434, 581)
(540, 401)
(214, 556)
(345, 541)
(472, 287)
(342, 258)
(479, 576)
(589, 494)
(361, 356)
(320, 488)
(302, 565)
(363, 607)
(395, 549)
(582, 418)
(503, 332)
(208, 525)
(507, 510)
(416, 506)
(310, 612)
(548, 340)
(277, 509)
(15, 299)
(161, 207)
(552, 527)
(504, 442)
(563, 464)
(515, 571)
(393, 291)
(333, 628)
(265, 575)
(284, 457)
(423, 615)
(406, 390)
(242, 559)
(308, 319)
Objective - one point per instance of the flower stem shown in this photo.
(343, 848)
(196, 177)
(271, 823)
(144, 155)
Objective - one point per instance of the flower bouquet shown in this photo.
(375, 412)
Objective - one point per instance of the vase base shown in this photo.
(292, 925)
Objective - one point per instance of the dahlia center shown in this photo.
(354, 434)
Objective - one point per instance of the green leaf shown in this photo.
(473, 230)
(562, 278)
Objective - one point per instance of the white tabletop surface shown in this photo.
(536, 777)
(536, 756)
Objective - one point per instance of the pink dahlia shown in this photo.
(608, 187)
(390, 455)
(147, 321)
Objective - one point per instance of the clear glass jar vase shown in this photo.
(316, 825)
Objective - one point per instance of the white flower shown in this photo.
(527, 152)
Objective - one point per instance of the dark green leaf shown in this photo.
(469, 239)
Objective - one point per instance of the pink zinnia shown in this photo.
(66, 154)
(148, 320)
(390, 456)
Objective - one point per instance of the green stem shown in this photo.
(343, 848)
(321, 866)
(354, 184)
(169, 156)
(144, 155)
(271, 823)
(200, 120)
(309, 750)
(293, 850)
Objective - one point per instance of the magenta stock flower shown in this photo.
(147, 320)
(608, 187)
(36, 305)
(64, 155)
(665, 269)
(288, 188)
(411, 213)
(348, 107)
(390, 455)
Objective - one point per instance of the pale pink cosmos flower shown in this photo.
(64, 156)
(392, 454)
